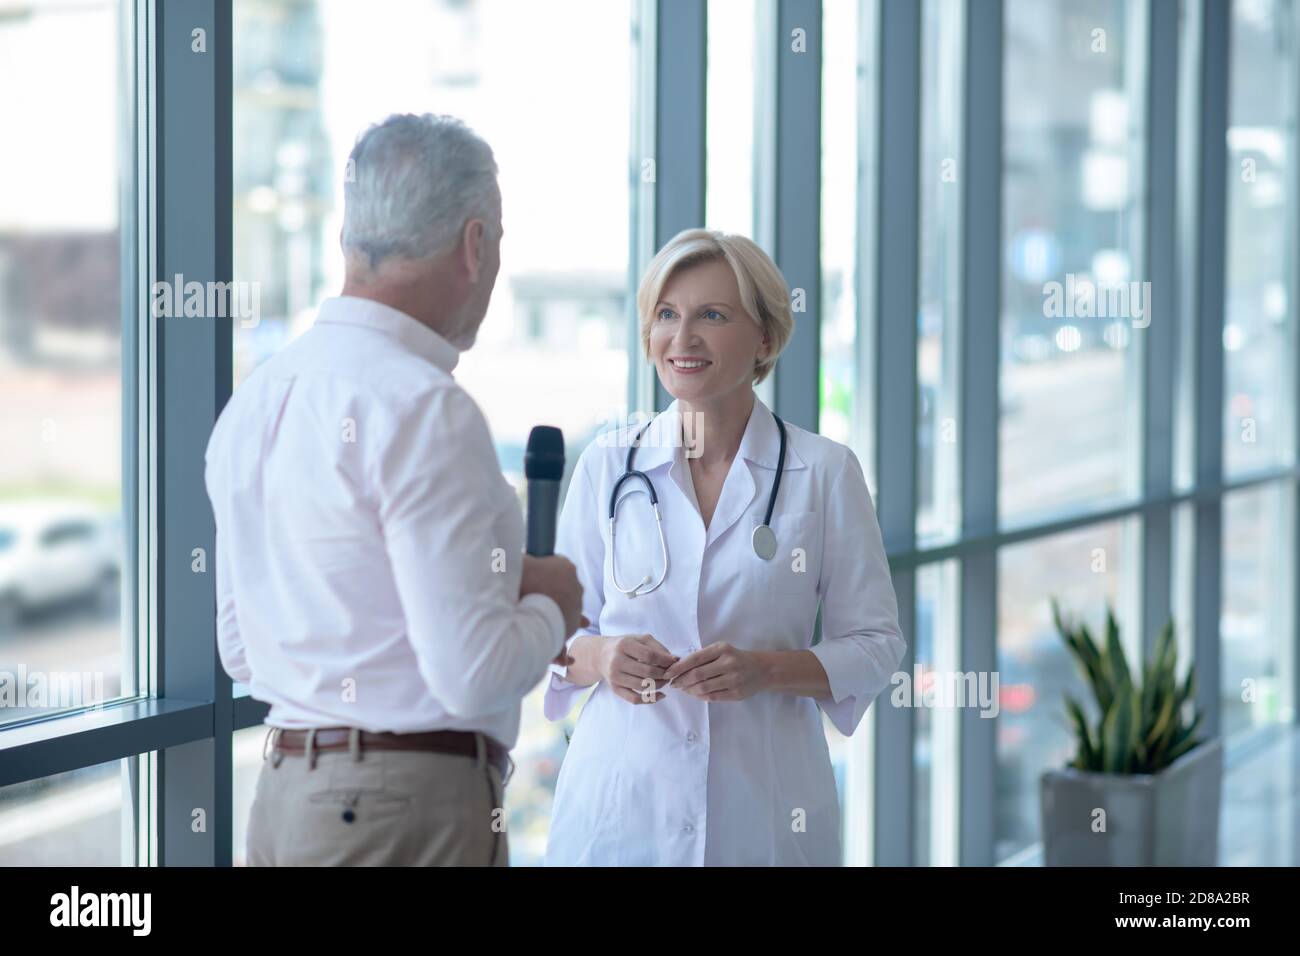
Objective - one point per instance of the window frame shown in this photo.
(185, 710)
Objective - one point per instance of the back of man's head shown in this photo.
(411, 183)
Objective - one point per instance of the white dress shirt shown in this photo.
(369, 549)
(682, 781)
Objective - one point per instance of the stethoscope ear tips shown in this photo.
(636, 591)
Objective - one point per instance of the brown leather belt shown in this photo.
(461, 743)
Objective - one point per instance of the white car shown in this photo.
(56, 552)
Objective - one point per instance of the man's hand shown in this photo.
(557, 578)
(719, 672)
(634, 667)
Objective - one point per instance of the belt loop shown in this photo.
(273, 738)
(480, 751)
(310, 752)
(354, 743)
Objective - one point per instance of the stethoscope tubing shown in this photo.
(631, 474)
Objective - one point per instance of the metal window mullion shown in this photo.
(137, 825)
(223, 225)
(1292, 637)
(193, 234)
(1159, 339)
(148, 590)
(134, 45)
(1209, 266)
(797, 221)
(681, 59)
(897, 187)
(979, 336)
(43, 748)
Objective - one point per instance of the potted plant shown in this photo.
(1142, 789)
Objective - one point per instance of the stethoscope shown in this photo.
(763, 539)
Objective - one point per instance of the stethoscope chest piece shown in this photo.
(764, 542)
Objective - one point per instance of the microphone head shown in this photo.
(544, 457)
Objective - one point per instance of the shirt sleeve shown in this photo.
(579, 538)
(479, 646)
(861, 645)
(230, 645)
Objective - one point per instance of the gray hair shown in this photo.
(412, 182)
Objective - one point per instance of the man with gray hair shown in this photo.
(371, 581)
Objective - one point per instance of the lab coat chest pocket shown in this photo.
(796, 566)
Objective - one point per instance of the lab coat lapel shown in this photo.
(738, 494)
(661, 453)
(740, 488)
(749, 482)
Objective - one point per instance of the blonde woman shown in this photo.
(702, 743)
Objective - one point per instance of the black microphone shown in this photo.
(544, 468)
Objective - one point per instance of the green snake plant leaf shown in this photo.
(1185, 742)
(1095, 664)
(1116, 663)
(1086, 759)
(1140, 727)
(1164, 724)
(1119, 731)
(1150, 702)
(1085, 652)
(1155, 675)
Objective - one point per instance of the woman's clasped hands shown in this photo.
(638, 669)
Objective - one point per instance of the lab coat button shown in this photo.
(692, 737)
(689, 828)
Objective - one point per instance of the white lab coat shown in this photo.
(684, 782)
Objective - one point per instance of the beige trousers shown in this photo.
(377, 808)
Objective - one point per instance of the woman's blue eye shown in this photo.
(712, 313)
(665, 314)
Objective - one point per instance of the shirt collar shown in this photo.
(761, 443)
(412, 333)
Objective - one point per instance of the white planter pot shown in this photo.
(1166, 819)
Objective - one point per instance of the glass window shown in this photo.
(841, 404)
(63, 245)
(1256, 623)
(934, 670)
(84, 817)
(1072, 293)
(246, 747)
(841, 71)
(1085, 570)
(1259, 328)
(310, 76)
(730, 127)
(938, 490)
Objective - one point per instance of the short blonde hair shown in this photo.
(764, 293)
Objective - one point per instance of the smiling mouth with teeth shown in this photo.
(688, 364)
